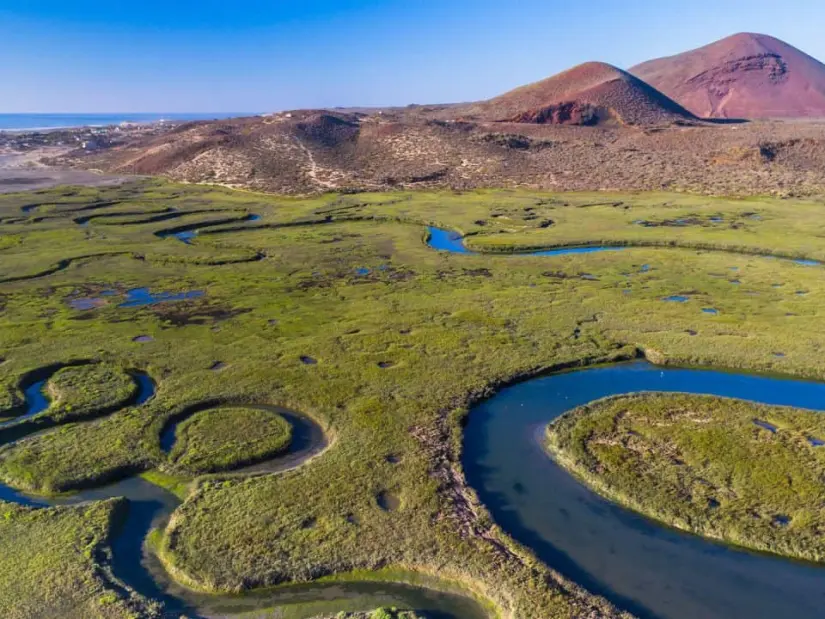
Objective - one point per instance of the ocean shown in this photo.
(19, 122)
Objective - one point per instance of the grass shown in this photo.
(401, 351)
(228, 438)
(702, 464)
(78, 455)
(752, 225)
(348, 606)
(81, 391)
(380, 613)
(179, 486)
(10, 402)
(53, 564)
(392, 613)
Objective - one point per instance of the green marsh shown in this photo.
(400, 340)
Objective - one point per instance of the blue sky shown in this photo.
(255, 56)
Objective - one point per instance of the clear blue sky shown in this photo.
(256, 56)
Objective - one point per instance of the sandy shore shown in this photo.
(26, 172)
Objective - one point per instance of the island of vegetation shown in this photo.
(728, 469)
(227, 438)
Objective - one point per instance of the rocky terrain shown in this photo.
(742, 76)
(589, 94)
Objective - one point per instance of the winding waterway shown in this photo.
(453, 242)
(641, 566)
(187, 233)
(151, 506)
(36, 400)
(445, 240)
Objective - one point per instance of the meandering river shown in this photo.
(445, 240)
(640, 565)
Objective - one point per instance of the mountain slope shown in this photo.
(743, 76)
(588, 94)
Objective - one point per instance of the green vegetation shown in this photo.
(752, 225)
(393, 613)
(9, 402)
(179, 486)
(84, 390)
(706, 465)
(373, 589)
(228, 438)
(403, 338)
(78, 455)
(378, 613)
(53, 564)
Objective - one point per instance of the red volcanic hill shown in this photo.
(742, 76)
(589, 94)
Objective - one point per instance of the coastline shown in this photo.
(102, 121)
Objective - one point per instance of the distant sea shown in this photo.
(19, 122)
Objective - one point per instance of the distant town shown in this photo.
(85, 138)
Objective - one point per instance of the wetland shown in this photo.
(341, 403)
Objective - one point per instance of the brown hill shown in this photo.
(307, 152)
(589, 94)
(329, 129)
(743, 76)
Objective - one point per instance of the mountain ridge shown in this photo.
(745, 75)
(587, 94)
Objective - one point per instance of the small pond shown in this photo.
(139, 297)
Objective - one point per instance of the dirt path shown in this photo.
(314, 167)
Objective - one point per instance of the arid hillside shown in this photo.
(742, 76)
(588, 94)
(316, 151)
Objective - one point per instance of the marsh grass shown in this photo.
(227, 438)
(450, 326)
(85, 390)
(708, 465)
(378, 613)
(177, 485)
(78, 455)
(346, 608)
(53, 563)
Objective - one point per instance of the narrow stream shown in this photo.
(187, 233)
(638, 564)
(453, 242)
(36, 400)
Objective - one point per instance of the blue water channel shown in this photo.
(453, 242)
(640, 565)
(139, 297)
